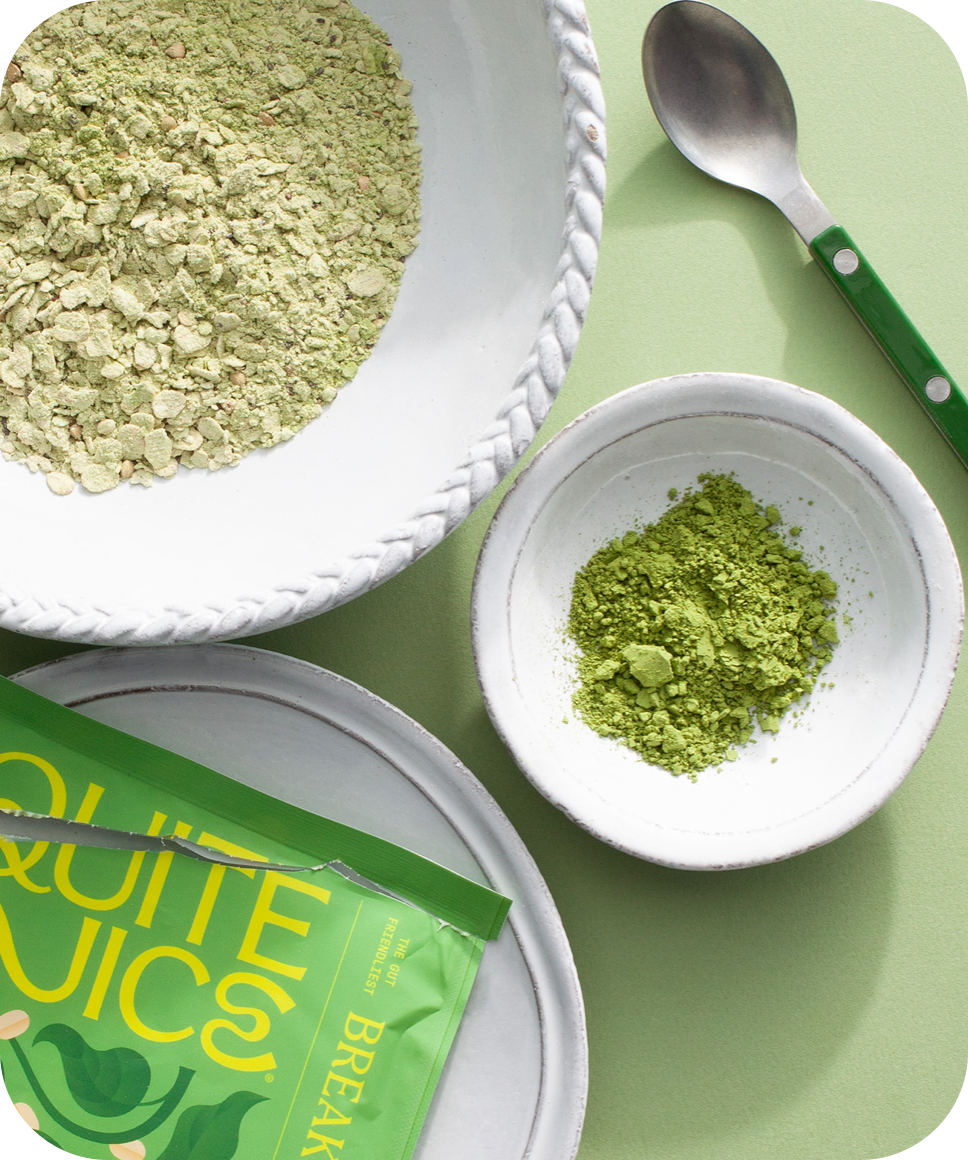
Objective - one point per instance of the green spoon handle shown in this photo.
(896, 335)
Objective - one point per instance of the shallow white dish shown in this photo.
(512, 127)
(865, 518)
(515, 1083)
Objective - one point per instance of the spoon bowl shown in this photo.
(725, 105)
(721, 97)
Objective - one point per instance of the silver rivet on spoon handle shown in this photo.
(724, 103)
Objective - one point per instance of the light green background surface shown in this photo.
(814, 1009)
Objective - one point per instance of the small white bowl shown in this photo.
(865, 519)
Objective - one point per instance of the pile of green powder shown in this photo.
(204, 207)
(697, 627)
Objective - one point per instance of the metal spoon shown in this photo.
(724, 104)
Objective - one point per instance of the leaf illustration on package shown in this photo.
(108, 1083)
(103, 1083)
(49, 1139)
(210, 1132)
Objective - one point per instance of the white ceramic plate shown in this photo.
(488, 315)
(516, 1080)
(865, 519)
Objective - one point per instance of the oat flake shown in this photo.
(204, 211)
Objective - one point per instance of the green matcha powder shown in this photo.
(698, 627)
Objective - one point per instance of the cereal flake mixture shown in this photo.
(695, 629)
(204, 210)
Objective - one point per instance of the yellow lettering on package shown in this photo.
(364, 1025)
(332, 1116)
(214, 882)
(105, 972)
(156, 882)
(58, 791)
(263, 916)
(323, 1146)
(261, 1029)
(62, 867)
(17, 866)
(129, 985)
(344, 1083)
(82, 952)
(354, 1054)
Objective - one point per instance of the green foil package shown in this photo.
(162, 1006)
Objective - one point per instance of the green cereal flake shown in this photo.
(204, 210)
(697, 628)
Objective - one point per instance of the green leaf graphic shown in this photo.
(103, 1083)
(210, 1132)
(168, 1103)
(49, 1139)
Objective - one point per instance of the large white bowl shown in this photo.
(489, 312)
(865, 518)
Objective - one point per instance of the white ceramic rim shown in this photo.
(418, 756)
(478, 473)
(636, 409)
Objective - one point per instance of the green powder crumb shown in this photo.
(204, 210)
(698, 627)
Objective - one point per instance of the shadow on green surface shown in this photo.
(737, 1027)
(825, 348)
(23, 652)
